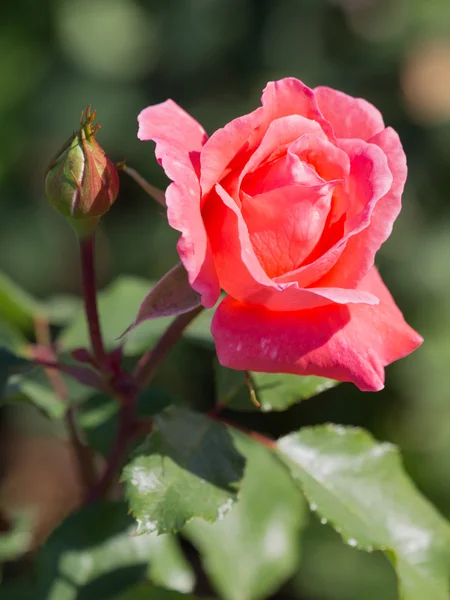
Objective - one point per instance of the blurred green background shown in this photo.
(213, 57)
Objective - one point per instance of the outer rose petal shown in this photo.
(350, 117)
(179, 140)
(349, 343)
(290, 96)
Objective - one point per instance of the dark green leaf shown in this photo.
(255, 547)
(187, 468)
(360, 487)
(275, 391)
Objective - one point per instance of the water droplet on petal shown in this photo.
(313, 507)
(324, 521)
(352, 542)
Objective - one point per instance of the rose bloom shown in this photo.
(284, 209)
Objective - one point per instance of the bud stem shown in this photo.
(90, 298)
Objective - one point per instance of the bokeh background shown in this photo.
(213, 57)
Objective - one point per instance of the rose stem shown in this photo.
(90, 298)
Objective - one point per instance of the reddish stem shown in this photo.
(90, 298)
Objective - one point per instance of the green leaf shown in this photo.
(361, 488)
(255, 548)
(151, 592)
(17, 307)
(275, 391)
(10, 364)
(187, 468)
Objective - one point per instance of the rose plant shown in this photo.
(283, 210)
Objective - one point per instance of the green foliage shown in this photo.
(274, 391)
(360, 487)
(187, 468)
(254, 548)
(94, 554)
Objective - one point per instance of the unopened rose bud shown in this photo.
(81, 182)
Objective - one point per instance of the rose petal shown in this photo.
(285, 224)
(286, 171)
(359, 255)
(350, 117)
(369, 180)
(280, 134)
(349, 343)
(290, 96)
(241, 274)
(179, 140)
(240, 136)
(327, 160)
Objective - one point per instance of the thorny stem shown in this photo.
(90, 299)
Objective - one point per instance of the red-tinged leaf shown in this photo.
(171, 296)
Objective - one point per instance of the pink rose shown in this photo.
(284, 209)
